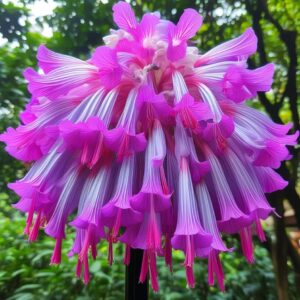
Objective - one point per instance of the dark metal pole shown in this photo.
(133, 289)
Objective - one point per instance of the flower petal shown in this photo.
(241, 84)
(49, 60)
(240, 47)
(124, 16)
(110, 71)
(188, 24)
(61, 81)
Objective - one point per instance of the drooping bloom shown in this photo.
(149, 143)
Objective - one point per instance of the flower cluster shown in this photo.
(151, 144)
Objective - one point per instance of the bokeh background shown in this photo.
(76, 28)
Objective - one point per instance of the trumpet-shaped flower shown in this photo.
(151, 144)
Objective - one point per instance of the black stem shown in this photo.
(133, 289)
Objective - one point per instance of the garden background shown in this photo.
(77, 27)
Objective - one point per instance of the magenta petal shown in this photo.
(124, 16)
(129, 235)
(29, 145)
(142, 201)
(118, 211)
(201, 240)
(76, 135)
(24, 189)
(60, 81)
(271, 155)
(188, 222)
(278, 130)
(149, 233)
(188, 24)
(129, 216)
(133, 49)
(226, 126)
(208, 219)
(241, 84)
(50, 60)
(146, 28)
(124, 143)
(234, 87)
(40, 188)
(217, 133)
(152, 106)
(245, 188)
(86, 138)
(177, 52)
(67, 202)
(25, 203)
(31, 141)
(234, 224)
(110, 72)
(191, 112)
(16, 141)
(27, 116)
(260, 79)
(240, 47)
(229, 216)
(270, 180)
(199, 169)
(109, 78)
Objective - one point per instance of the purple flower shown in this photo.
(150, 144)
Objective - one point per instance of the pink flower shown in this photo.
(153, 138)
(178, 35)
(240, 84)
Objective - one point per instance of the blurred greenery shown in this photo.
(78, 27)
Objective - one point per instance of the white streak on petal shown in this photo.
(88, 107)
(94, 196)
(226, 201)
(188, 218)
(127, 119)
(207, 215)
(211, 101)
(107, 106)
(125, 182)
(66, 203)
(179, 86)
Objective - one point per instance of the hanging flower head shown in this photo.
(150, 144)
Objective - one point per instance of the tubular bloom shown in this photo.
(150, 144)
